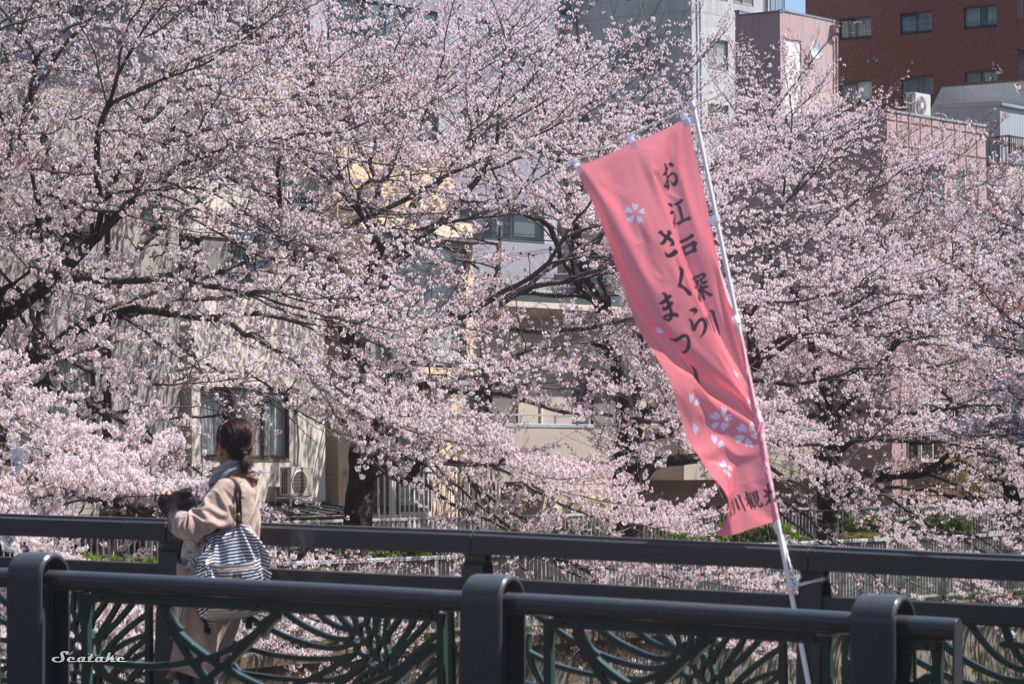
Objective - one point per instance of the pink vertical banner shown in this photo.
(650, 199)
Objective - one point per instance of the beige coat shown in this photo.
(216, 512)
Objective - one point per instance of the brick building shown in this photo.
(923, 45)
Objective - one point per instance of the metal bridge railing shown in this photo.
(994, 650)
(495, 647)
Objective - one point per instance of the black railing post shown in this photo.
(472, 565)
(492, 646)
(38, 621)
(874, 653)
(167, 562)
(814, 588)
(958, 655)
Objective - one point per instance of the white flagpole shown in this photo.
(787, 563)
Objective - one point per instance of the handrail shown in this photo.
(717, 615)
(691, 614)
(806, 558)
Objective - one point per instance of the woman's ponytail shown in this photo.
(236, 436)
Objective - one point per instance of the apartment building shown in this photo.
(917, 46)
(713, 25)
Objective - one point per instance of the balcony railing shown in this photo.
(547, 419)
(1006, 149)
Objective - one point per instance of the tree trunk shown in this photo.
(359, 493)
(828, 519)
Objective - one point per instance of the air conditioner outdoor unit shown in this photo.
(919, 103)
(293, 482)
(298, 483)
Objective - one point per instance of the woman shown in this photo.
(216, 512)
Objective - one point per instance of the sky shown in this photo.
(796, 5)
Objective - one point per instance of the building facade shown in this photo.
(923, 46)
(999, 107)
(712, 25)
(791, 44)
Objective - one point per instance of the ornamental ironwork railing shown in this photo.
(571, 644)
(326, 632)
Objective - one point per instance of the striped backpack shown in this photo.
(234, 552)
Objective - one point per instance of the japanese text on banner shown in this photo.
(650, 199)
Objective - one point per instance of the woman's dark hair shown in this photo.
(236, 436)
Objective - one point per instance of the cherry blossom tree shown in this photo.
(867, 262)
(288, 199)
(309, 202)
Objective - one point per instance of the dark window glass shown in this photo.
(979, 17)
(522, 228)
(517, 228)
(916, 22)
(982, 76)
(210, 419)
(719, 57)
(271, 434)
(856, 28)
(857, 90)
(275, 432)
(919, 84)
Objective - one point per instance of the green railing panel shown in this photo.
(399, 647)
(992, 655)
(630, 655)
(916, 663)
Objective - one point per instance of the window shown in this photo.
(436, 279)
(919, 84)
(857, 90)
(856, 28)
(720, 55)
(921, 452)
(210, 419)
(982, 76)
(522, 228)
(516, 228)
(384, 17)
(274, 442)
(980, 17)
(271, 433)
(299, 193)
(240, 260)
(916, 22)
